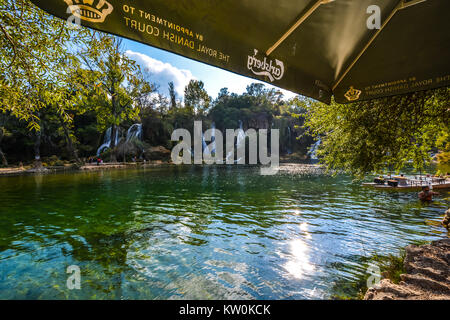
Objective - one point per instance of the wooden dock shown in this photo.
(409, 184)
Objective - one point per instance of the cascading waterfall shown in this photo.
(205, 148)
(107, 141)
(135, 131)
(289, 147)
(204, 145)
(213, 138)
(313, 151)
(240, 140)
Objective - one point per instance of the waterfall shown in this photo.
(204, 145)
(205, 148)
(289, 147)
(213, 138)
(135, 131)
(240, 140)
(107, 141)
(313, 151)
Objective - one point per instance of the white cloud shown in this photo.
(162, 73)
(235, 83)
(214, 78)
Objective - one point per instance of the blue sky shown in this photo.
(166, 66)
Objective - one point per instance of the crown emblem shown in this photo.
(90, 10)
(352, 94)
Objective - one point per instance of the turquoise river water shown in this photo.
(199, 233)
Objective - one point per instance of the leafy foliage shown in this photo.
(64, 87)
(196, 98)
(35, 61)
(383, 134)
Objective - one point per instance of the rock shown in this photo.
(157, 153)
(446, 220)
(37, 167)
(427, 277)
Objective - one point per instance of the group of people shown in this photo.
(97, 160)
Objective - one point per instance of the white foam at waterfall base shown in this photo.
(289, 148)
(239, 141)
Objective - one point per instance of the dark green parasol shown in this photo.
(315, 48)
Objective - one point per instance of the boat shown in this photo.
(412, 183)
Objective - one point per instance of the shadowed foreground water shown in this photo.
(199, 233)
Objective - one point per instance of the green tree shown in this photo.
(117, 83)
(37, 66)
(443, 143)
(196, 98)
(142, 89)
(371, 136)
(2, 134)
(33, 51)
(172, 95)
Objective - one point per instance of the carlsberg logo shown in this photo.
(264, 67)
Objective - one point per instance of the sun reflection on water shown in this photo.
(299, 262)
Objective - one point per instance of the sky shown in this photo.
(166, 67)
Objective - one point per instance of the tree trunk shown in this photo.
(2, 155)
(69, 141)
(37, 151)
(113, 129)
(37, 146)
(113, 143)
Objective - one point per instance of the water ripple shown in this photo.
(205, 233)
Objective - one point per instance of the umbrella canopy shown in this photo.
(317, 48)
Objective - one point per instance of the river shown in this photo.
(186, 232)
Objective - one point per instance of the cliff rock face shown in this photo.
(157, 153)
(427, 277)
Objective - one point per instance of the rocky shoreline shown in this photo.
(24, 170)
(14, 171)
(427, 275)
